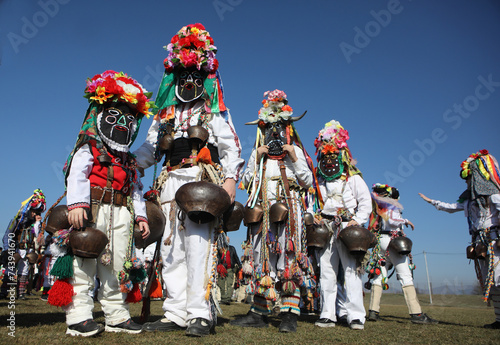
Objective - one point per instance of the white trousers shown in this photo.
(334, 253)
(400, 263)
(187, 261)
(112, 300)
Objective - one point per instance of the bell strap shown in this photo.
(288, 197)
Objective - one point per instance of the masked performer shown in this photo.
(342, 200)
(190, 101)
(20, 238)
(104, 190)
(481, 205)
(277, 177)
(387, 223)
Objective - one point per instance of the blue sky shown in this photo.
(416, 84)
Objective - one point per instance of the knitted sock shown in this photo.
(290, 303)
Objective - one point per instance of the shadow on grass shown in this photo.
(400, 319)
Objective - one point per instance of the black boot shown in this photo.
(422, 319)
(251, 319)
(288, 322)
(373, 316)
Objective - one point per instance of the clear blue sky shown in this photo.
(416, 84)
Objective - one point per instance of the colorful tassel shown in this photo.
(61, 294)
(135, 295)
(137, 275)
(126, 287)
(204, 156)
(266, 281)
(289, 287)
(271, 294)
(156, 290)
(63, 267)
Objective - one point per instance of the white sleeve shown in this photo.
(78, 183)
(145, 154)
(301, 169)
(248, 173)
(139, 203)
(363, 197)
(447, 207)
(395, 219)
(228, 146)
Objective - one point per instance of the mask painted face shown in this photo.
(117, 125)
(189, 85)
(275, 137)
(329, 166)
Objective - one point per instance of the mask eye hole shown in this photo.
(183, 75)
(111, 119)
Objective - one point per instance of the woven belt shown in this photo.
(101, 196)
(384, 232)
(186, 163)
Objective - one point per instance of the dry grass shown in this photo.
(461, 319)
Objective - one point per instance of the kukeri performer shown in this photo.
(342, 200)
(19, 240)
(194, 129)
(277, 178)
(103, 191)
(481, 205)
(387, 223)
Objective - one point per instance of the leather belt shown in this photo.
(385, 232)
(104, 196)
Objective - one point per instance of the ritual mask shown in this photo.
(117, 125)
(330, 166)
(189, 84)
(275, 137)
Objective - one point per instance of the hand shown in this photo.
(291, 152)
(425, 198)
(317, 219)
(352, 222)
(410, 224)
(144, 227)
(76, 217)
(229, 186)
(262, 150)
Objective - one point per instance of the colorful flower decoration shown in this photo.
(192, 46)
(332, 134)
(38, 200)
(275, 107)
(112, 86)
(486, 163)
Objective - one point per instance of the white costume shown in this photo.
(187, 262)
(353, 195)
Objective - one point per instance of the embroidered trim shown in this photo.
(78, 205)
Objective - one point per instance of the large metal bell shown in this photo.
(317, 235)
(401, 245)
(202, 201)
(32, 257)
(88, 243)
(233, 216)
(58, 219)
(278, 213)
(253, 215)
(156, 222)
(357, 239)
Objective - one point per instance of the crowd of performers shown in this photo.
(312, 231)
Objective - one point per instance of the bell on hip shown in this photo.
(253, 215)
(481, 251)
(278, 213)
(401, 245)
(202, 201)
(165, 143)
(156, 222)
(58, 219)
(88, 243)
(233, 216)
(470, 252)
(32, 257)
(317, 235)
(357, 240)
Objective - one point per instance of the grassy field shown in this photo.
(461, 319)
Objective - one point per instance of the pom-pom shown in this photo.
(63, 267)
(247, 268)
(290, 248)
(204, 156)
(266, 281)
(126, 287)
(135, 295)
(137, 275)
(385, 286)
(57, 251)
(289, 287)
(61, 294)
(156, 290)
(270, 294)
